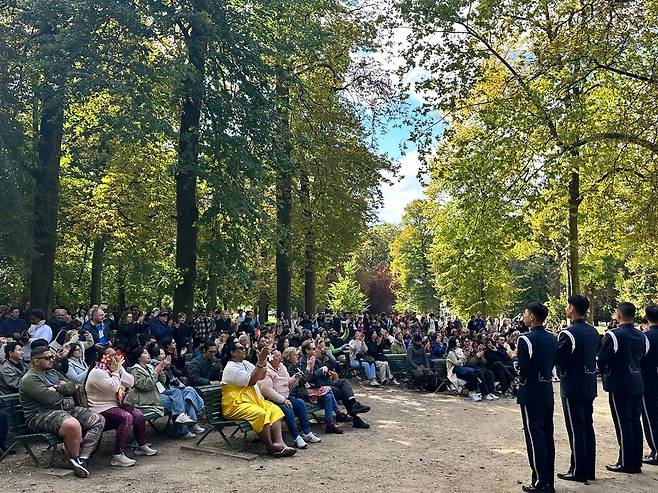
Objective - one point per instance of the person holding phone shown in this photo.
(149, 390)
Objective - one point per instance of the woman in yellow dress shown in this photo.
(241, 398)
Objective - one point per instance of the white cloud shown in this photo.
(403, 190)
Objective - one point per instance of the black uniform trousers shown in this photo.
(626, 412)
(650, 421)
(538, 430)
(580, 428)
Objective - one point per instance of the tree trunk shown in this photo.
(121, 290)
(309, 246)
(263, 306)
(97, 257)
(46, 198)
(284, 203)
(187, 212)
(574, 259)
(211, 293)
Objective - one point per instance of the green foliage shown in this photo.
(410, 265)
(535, 94)
(345, 294)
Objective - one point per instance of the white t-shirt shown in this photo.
(237, 373)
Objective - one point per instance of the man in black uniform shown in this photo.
(576, 361)
(619, 362)
(536, 351)
(649, 366)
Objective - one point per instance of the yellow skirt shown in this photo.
(246, 403)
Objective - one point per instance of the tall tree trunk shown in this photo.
(187, 212)
(263, 306)
(211, 293)
(574, 258)
(309, 246)
(97, 258)
(121, 290)
(284, 202)
(46, 198)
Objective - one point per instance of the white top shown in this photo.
(102, 388)
(237, 373)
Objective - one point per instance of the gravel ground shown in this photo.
(417, 442)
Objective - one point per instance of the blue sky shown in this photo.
(405, 187)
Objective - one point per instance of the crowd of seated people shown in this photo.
(136, 364)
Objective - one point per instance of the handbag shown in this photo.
(125, 402)
(80, 396)
(54, 345)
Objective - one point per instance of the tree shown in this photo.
(380, 288)
(565, 82)
(345, 294)
(411, 265)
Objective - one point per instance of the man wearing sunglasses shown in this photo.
(51, 409)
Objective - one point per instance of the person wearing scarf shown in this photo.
(105, 383)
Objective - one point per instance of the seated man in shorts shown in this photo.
(51, 409)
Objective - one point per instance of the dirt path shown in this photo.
(417, 443)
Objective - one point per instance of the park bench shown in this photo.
(18, 433)
(442, 374)
(212, 398)
(398, 365)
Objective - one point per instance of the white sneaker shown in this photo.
(494, 396)
(197, 429)
(374, 383)
(189, 435)
(300, 443)
(472, 396)
(145, 450)
(489, 397)
(311, 437)
(122, 461)
(184, 419)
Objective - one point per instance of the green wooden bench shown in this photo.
(442, 374)
(212, 398)
(20, 435)
(398, 365)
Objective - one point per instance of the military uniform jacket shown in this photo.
(619, 360)
(536, 351)
(576, 360)
(649, 363)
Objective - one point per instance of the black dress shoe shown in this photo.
(567, 476)
(359, 423)
(651, 460)
(620, 468)
(529, 488)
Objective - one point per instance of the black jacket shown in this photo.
(576, 360)
(536, 351)
(619, 360)
(649, 363)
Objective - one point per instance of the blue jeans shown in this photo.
(299, 410)
(185, 400)
(368, 368)
(328, 401)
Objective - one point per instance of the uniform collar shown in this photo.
(628, 324)
(578, 321)
(538, 327)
